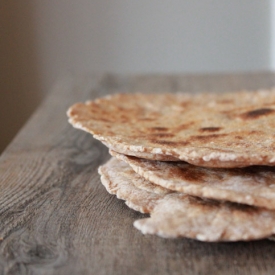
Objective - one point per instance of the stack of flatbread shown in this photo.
(202, 166)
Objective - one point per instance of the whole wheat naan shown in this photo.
(117, 177)
(180, 215)
(213, 130)
(253, 185)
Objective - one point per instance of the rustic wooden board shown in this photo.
(56, 217)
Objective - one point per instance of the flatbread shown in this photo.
(254, 185)
(180, 215)
(208, 129)
(117, 177)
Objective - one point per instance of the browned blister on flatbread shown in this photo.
(208, 129)
(254, 185)
(180, 215)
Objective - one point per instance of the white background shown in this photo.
(152, 36)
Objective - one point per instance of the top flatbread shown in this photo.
(212, 130)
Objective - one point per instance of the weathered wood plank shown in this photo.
(56, 218)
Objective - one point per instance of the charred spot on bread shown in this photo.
(210, 129)
(257, 113)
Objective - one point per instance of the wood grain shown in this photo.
(57, 218)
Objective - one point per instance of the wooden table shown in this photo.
(57, 218)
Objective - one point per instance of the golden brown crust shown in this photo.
(179, 215)
(254, 185)
(117, 176)
(211, 130)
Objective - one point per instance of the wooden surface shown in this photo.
(57, 218)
